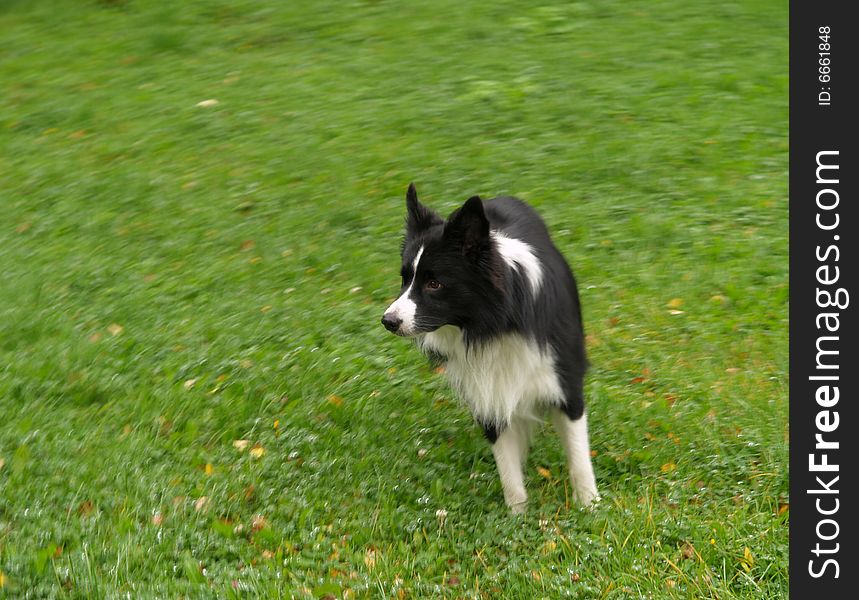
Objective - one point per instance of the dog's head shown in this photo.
(448, 272)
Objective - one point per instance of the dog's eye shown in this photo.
(433, 284)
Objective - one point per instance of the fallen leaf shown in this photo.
(114, 329)
(95, 338)
(335, 400)
(85, 508)
(575, 577)
(3, 580)
(675, 303)
(267, 554)
(207, 103)
(687, 551)
(454, 580)
(675, 312)
(748, 560)
(544, 472)
(257, 451)
(2, 464)
(258, 523)
(240, 445)
(783, 507)
(189, 383)
(370, 558)
(245, 363)
(248, 245)
(422, 452)
(208, 469)
(200, 503)
(668, 467)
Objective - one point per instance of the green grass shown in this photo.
(176, 278)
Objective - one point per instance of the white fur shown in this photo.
(505, 377)
(574, 436)
(519, 255)
(404, 307)
(511, 451)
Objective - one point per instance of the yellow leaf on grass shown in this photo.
(208, 469)
(258, 451)
(782, 508)
(240, 445)
(675, 303)
(3, 580)
(544, 472)
(370, 558)
(114, 329)
(335, 400)
(200, 503)
(748, 560)
(668, 467)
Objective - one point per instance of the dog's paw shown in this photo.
(518, 508)
(586, 497)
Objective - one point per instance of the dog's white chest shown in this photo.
(507, 376)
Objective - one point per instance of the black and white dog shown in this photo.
(488, 294)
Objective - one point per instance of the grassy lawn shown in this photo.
(196, 396)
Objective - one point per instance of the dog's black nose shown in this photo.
(391, 322)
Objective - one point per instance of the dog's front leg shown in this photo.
(574, 437)
(510, 449)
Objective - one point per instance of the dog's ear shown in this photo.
(418, 217)
(469, 227)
